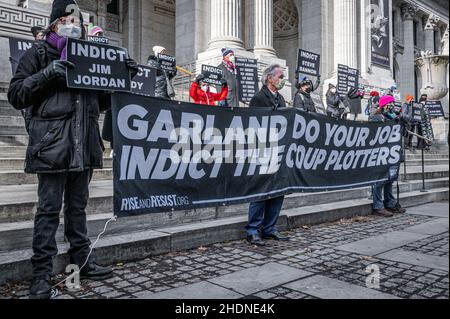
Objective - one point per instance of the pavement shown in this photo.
(406, 256)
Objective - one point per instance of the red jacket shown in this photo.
(207, 98)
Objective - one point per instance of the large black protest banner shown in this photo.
(435, 108)
(97, 66)
(144, 82)
(247, 75)
(308, 63)
(212, 74)
(17, 47)
(173, 155)
(347, 78)
(380, 33)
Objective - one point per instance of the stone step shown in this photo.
(111, 249)
(9, 111)
(13, 140)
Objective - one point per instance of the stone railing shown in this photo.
(15, 20)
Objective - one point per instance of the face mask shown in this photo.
(204, 88)
(333, 91)
(280, 84)
(232, 59)
(69, 31)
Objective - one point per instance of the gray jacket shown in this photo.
(232, 99)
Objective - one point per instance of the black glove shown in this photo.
(318, 78)
(132, 67)
(199, 78)
(56, 70)
(223, 82)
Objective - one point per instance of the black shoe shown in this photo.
(41, 288)
(93, 271)
(276, 236)
(255, 240)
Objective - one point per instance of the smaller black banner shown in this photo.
(144, 82)
(417, 112)
(212, 74)
(347, 78)
(308, 63)
(97, 66)
(93, 38)
(17, 48)
(167, 63)
(435, 108)
(247, 75)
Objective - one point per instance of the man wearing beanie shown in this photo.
(228, 66)
(64, 146)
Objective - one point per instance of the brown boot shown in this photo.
(382, 212)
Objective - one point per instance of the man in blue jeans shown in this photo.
(263, 216)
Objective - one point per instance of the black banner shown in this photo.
(417, 111)
(380, 33)
(97, 66)
(17, 47)
(167, 63)
(247, 75)
(212, 74)
(347, 78)
(435, 108)
(174, 156)
(308, 63)
(97, 39)
(144, 82)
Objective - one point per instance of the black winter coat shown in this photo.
(232, 99)
(63, 130)
(333, 103)
(303, 101)
(162, 78)
(265, 98)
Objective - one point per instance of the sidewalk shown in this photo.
(410, 251)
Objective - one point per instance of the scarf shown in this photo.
(59, 43)
(230, 67)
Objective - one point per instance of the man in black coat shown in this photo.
(263, 216)
(64, 146)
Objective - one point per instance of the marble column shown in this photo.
(407, 67)
(102, 6)
(429, 29)
(225, 24)
(345, 36)
(263, 28)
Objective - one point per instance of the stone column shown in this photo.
(430, 27)
(263, 28)
(345, 36)
(406, 76)
(225, 26)
(102, 12)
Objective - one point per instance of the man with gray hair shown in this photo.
(263, 215)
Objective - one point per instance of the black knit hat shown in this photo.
(35, 30)
(60, 9)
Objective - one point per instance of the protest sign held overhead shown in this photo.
(97, 39)
(247, 75)
(435, 108)
(212, 74)
(173, 155)
(144, 82)
(347, 78)
(308, 63)
(167, 63)
(97, 66)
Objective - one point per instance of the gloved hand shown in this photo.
(318, 78)
(223, 82)
(199, 78)
(132, 67)
(56, 70)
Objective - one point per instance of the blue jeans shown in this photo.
(264, 215)
(389, 200)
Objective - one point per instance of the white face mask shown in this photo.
(205, 88)
(69, 31)
(233, 59)
(333, 91)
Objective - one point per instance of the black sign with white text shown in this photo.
(144, 82)
(167, 63)
(435, 108)
(212, 74)
(97, 66)
(17, 48)
(347, 78)
(247, 75)
(173, 155)
(92, 38)
(308, 63)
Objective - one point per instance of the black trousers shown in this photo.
(52, 189)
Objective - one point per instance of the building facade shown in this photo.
(381, 38)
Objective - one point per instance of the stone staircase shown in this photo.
(137, 237)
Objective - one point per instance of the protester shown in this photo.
(201, 93)
(384, 202)
(303, 100)
(263, 215)
(228, 67)
(407, 116)
(372, 103)
(38, 33)
(335, 106)
(95, 31)
(64, 164)
(355, 98)
(163, 87)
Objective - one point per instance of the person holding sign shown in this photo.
(303, 100)
(64, 146)
(335, 105)
(201, 93)
(228, 67)
(164, 88)
(263, 216)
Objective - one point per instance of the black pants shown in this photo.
(74, 187)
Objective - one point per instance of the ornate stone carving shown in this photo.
(408, 11)
(285, 17)
(444, 43)
(431, 23)
(18, 19)
(433, 69)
